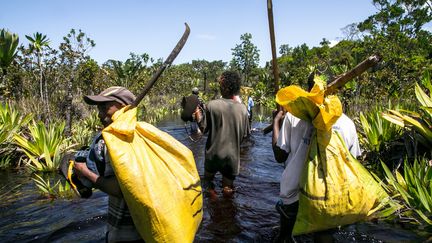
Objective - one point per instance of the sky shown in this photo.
(154, 26)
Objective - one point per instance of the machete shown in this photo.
(66, 167)
(164, 65)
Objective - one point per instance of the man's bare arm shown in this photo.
(279, 154)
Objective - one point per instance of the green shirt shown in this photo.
(226, 122)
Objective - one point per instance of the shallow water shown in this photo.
(249, 217)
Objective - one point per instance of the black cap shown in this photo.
(115, 93)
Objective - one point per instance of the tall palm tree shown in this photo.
(37, 43)
(8, 45)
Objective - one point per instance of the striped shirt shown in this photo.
(120, 223)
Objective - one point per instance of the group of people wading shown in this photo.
(227, 122)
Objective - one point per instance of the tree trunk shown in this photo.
(46, 97)
(68, 127)
(40, 78)
(205, 83)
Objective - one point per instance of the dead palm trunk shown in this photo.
(40, 77)
(68, 127)
(46, 96)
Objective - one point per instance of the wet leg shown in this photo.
(228, 187)
(208, 184)
(288, 215)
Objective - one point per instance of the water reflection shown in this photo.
(223, 223)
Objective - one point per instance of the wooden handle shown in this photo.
(341, 80)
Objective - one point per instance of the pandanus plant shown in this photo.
(421, 121)
(43, 146)
(8, 45)
(413, 189)
(11, 122)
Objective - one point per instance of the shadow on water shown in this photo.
(250, 216)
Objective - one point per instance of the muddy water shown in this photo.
(249, 217)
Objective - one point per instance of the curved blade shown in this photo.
(178, 47)
(167, 62)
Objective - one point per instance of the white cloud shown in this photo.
(206, 37)
(427, 27)
(333, 43)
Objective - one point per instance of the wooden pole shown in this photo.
(273, 46)
(274, 57)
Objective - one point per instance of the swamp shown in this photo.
(43, 117)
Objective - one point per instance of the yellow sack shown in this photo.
(335, 189)
(158, 178)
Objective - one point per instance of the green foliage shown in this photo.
(8, 45)
(285, 50)
(420, 121)
(38, 41)
(260, 95)
(44, 147)
(126, 73)
(294, 66)
(413, 188)
(6, 161)
(380, 139)
(207, 71)
(377, 132)
(58, 190)
(394, 17)
(245, 57)
(154, 115)
(89, 75)
(37, 45)
(73, 52)
(84, 130)
(11, 123)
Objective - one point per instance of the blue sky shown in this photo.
(154, 27)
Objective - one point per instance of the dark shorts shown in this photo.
(225, 168)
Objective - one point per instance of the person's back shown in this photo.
(226, 131)
(291, 141)
(295, 137)
(226, 122)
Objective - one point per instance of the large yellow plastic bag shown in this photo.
(158, 178)
(335, 189)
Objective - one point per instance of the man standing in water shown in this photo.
(290, 142)
(226, 122)
(120, 224)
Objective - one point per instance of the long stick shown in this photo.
(164, 65)
(274, 57)
(340, 81)
(273, 45)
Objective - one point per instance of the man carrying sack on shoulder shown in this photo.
(120, 223)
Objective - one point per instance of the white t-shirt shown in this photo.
(294, 138)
